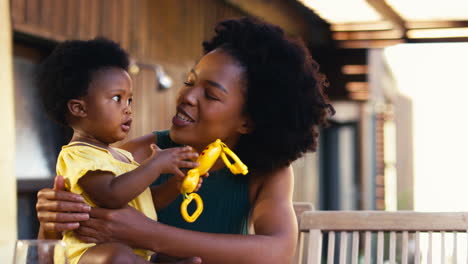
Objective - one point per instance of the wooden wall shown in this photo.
(164, 32)
(8, 227)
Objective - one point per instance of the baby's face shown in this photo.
(109, 105)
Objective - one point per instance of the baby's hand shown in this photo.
(180, 179)
(172, 160)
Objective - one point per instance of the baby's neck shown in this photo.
(89, 140)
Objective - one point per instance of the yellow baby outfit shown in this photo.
(74, 161)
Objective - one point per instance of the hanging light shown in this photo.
(164, 81)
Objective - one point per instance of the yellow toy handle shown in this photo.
(190, 181)
(206, 160)
(238, 167)
(183, 207)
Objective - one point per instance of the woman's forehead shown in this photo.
(219, 66)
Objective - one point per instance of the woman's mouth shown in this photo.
(182, 119)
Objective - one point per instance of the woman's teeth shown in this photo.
(184, 117)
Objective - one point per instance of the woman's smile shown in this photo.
(182, 118)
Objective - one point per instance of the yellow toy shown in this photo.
(206, 160)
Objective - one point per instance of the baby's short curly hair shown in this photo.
(284, 97)
(67, 73)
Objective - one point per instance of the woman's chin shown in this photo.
(177, 135)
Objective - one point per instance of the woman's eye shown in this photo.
(116, 98)
(188, 83)
(211, 97)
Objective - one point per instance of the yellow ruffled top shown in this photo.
(74, 161)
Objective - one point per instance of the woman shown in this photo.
(261, 94)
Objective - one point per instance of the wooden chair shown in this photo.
(299, 209)
(354, 233)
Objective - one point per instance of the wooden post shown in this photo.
(8, 226)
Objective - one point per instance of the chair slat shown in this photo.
(380, 247)
(455, 248)
(417, 254)
(429, 249)
(404, 248)
(331, 247)
(466, 233)
(367, 251)
(343, 247)
(355, 249)
(314, 252)
(392, 248)
(442, 247)
(299, 248)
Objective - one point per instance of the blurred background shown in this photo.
(398, 80)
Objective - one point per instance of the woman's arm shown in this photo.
(166, 192)
(272, 216)
(140, 147)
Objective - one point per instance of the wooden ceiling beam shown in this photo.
(433, 40)
(390, 14)
(367, 44)
(293, 17)
(367, 35)
(361, 26)
(385, 25)
(436, 24)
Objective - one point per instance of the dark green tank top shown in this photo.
(225, 197)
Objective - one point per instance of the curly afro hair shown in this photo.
(285, 99)
(67, 72)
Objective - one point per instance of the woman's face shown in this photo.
(210, 103)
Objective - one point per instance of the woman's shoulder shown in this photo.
(279, 180)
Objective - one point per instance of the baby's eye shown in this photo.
(129, 102)
(116, 98)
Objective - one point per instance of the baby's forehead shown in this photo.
(110, 77)
(106, 74)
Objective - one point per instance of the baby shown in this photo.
(85, 85)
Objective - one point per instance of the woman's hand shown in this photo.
(120, 225)
(113, 225)
(59, 210)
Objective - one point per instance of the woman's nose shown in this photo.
(188, 95)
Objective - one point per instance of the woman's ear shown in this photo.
(246, 127)
(77, 108)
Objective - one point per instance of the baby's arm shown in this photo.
(109, 191)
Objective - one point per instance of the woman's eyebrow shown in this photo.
(212, 83)
(217, 85)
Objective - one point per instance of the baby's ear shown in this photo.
(76, 107)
